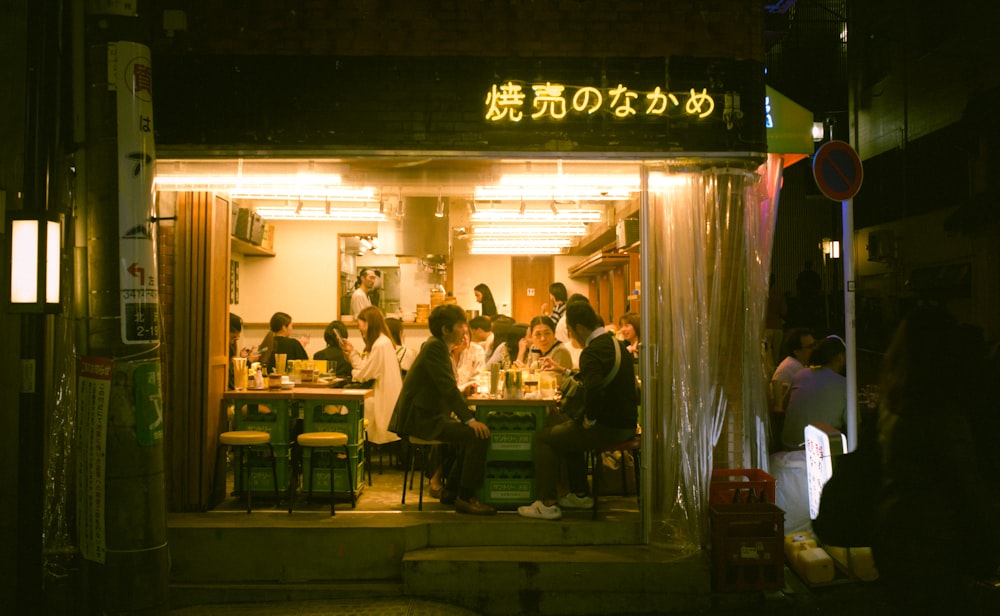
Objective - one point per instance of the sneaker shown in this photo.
(538, 510)
(572, 501)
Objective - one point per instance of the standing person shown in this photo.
(542, 331)
(404, 354)
(364, 285)
(774, 321)
(818, 394)
(927, 549)
(485, 297)
(430, 396)
(334, 353)
(378, 364)
(556, 306)
(610, 415)
(278, 340)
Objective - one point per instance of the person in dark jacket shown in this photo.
(610, 415)
(333, 334)
(430, 395)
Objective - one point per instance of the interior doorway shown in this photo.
(530, 277)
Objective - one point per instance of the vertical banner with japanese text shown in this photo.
(130, 74)
(93, 401)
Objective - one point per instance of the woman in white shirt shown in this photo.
(379, 363)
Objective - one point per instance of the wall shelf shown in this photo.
(598, 263)
(246, 248)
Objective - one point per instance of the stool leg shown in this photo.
(406, 470)
(423, 470)
(596, 463)
(333, 456)
(350, 477)
(312, 474)
(274, 475)
(635, 461)
(245, 467)
(624, 474)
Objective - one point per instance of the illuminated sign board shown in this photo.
(822, 442)
(512, 102)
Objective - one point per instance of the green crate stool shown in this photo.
(635, 446)
(418, 446)
(245, 441)
(330, 441)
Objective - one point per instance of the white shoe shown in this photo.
(538, 510)
(572, 501)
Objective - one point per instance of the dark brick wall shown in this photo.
(489, 28)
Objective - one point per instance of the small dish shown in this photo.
(288, 385)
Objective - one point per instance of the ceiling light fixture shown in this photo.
(535, 230)
(537, 216)
(552, 206)
(321, 213)
(521, 212)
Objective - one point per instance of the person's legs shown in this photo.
(470, 464)
(569, 441)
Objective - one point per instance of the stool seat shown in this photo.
(322, 439)
(632, 444)
(415, 440)
(244, 437)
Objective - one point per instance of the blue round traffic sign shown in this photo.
(837, 170)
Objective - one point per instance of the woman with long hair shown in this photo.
(378, 363)
(485, 297)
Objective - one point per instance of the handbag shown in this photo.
(571, 399)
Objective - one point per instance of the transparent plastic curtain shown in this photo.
(709, 238)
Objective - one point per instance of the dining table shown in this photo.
(319, 406)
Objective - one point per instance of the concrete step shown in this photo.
(592, 579)
(271, 546)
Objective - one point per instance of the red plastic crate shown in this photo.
(748, 547)
(749, 481)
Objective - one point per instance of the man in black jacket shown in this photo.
(430, 395)
(609, 417)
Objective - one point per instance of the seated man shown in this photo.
(609, 416)
(430, 395)
(818, 394)
(481, 331)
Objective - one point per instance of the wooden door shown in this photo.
(529, 285)
(200, 364)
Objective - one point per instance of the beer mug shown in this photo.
(239, 373)
(514, 384)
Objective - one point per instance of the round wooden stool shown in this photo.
(244, 441)
(329, 441)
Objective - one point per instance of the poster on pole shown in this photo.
(131, 76)
(93, 401)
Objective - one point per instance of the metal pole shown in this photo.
(850, 341)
